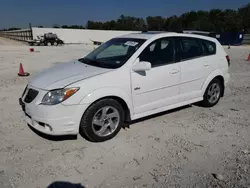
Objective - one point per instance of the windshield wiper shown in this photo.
(98, 63)
(89, 62)
(82, 60)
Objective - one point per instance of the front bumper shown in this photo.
(52, 120)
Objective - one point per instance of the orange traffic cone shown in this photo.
(248, 59)
(21, 71)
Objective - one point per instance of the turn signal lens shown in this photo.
(68, 93)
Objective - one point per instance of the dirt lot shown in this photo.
(188, 147)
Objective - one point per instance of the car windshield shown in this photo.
(113, 53)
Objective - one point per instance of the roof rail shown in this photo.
(163, 31)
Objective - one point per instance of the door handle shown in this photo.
(174, 71)
(206, 65)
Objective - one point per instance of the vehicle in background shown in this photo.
(124, 79)
(48, 39)
(229, 38)
(225, 38)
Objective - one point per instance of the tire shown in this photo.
(209, 101)
(55, 43)
(95, 131)
(60, 42)
(48, 43)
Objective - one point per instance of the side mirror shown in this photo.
(142, 66)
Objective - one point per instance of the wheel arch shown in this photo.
(217, 74)
(219, 77)
(116, 94)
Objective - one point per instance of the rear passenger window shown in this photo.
(210, 47)
(190, 48)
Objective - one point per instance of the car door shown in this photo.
(159, 86)
(194, 67)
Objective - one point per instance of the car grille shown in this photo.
(31, 95)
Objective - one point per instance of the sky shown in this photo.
(19, 13)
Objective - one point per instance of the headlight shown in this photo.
(57, 96)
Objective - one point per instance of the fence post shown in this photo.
(31, 32)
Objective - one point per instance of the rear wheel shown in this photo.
(213, 93)
(60, 42)
(102, 120)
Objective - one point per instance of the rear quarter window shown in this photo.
(209, 47)
(190, 48)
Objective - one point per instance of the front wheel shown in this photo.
(213, 93)
(102, 120)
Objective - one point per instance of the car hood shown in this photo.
(64, 74)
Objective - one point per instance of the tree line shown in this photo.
(216, 20)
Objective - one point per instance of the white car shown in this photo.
(126, 78)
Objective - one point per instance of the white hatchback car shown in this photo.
(126, 78)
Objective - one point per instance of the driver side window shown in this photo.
(158, 53)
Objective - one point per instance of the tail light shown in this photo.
(228, 60)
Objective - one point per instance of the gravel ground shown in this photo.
(4, 41)
(186, 147)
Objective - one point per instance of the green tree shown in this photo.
(216, 20)
(56, 26)
(156, 23)
(244, 15)
(13, 28)
(173, 23)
